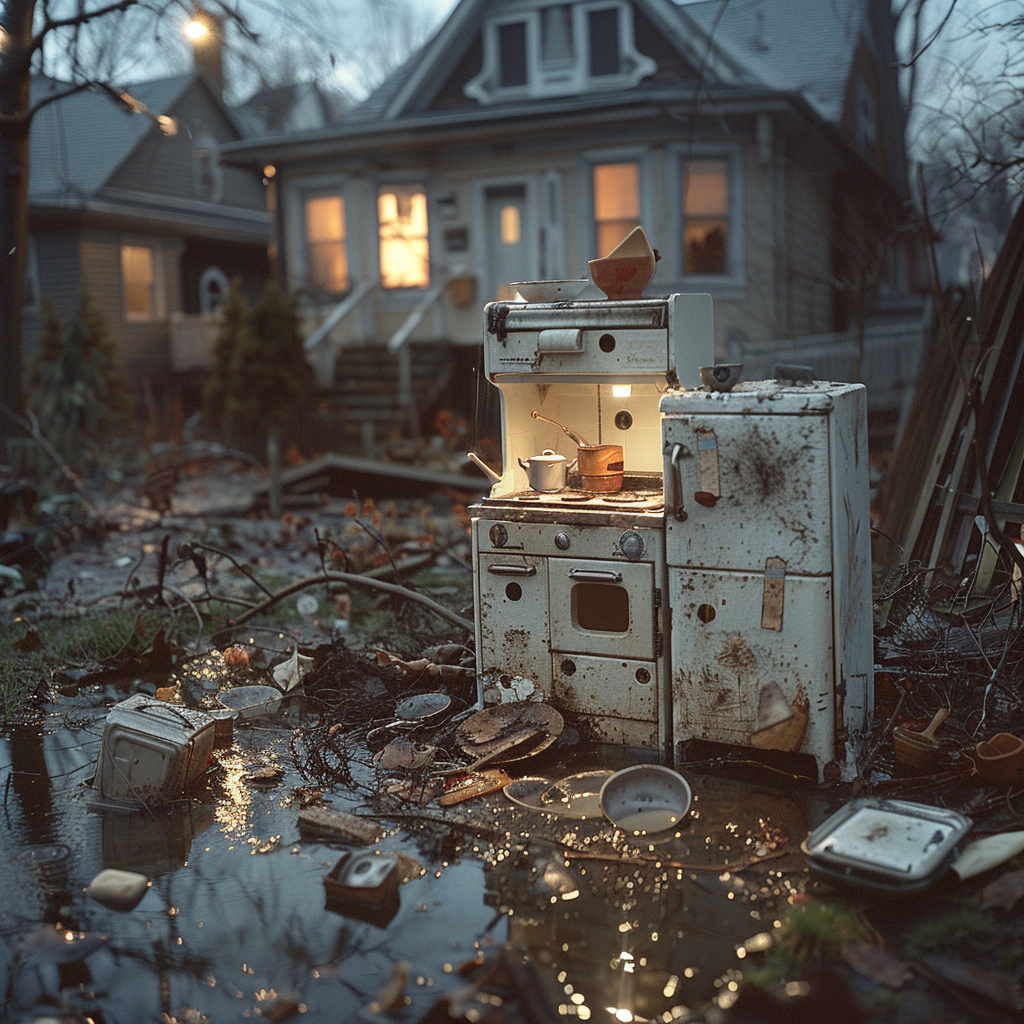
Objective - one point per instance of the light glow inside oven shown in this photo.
(599, 608)
(622, 390)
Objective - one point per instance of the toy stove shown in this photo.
(571, 584)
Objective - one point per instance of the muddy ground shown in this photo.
(511, 914)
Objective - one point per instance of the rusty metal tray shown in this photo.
(894, 845)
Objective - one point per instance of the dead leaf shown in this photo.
(289, 673)
(1004, 892)
(403, 753)
(876, 964)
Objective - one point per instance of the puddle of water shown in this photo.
(237, 916)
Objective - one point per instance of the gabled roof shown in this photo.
(79, 141)
(300, 106)
(803, 47)
(796, 46)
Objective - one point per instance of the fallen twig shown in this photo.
(357, 580)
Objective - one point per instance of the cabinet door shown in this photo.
(772, 478)
(514, 635)
(734, 681)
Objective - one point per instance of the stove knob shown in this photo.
(498, 535)
(562, 541)
(631, 544)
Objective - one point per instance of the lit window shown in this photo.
(705, 216)
(137, 274)
(616, 203)
(510, 225)
(402, 225)
(327, 270)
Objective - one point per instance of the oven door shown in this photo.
(514, 637)
(603, 608)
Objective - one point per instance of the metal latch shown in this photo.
(596, 575)
(512, 570)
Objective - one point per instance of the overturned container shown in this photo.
(151, 750)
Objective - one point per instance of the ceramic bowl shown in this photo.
(645, 799)
(623, 277)
(1000, 760)
(549, 291)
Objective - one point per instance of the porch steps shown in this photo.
(363, 406)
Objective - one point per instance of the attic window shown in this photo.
(603, 33)
(512, 54)
(559, 49)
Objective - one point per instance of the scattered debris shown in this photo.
(339, 826)
(119, 890)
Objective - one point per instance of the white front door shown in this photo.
(508, 249)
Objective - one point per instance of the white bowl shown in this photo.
(549, 291)
(646, 799)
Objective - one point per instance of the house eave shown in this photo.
(137, 212)
(511, 120)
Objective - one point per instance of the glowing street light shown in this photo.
(196, 28)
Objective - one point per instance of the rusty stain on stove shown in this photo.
(736, 654)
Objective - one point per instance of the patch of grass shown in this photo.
(813, 931)
(70, 642)
(966, 927)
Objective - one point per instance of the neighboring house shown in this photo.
(758, 142)
(130, 205)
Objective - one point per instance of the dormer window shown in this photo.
(559, 49)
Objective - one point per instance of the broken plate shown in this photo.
(488, 731)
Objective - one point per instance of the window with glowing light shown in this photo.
(138, 279)
(326, 247)
(705, 217)
(616, 203)
(510, 225)
(403, 240)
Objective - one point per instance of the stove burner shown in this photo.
(625, 498)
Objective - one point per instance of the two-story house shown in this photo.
(758, 142)
(130, 206)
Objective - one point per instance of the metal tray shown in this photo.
(886, 844)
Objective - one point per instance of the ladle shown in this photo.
(569, 433)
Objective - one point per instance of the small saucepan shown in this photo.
(546, 472)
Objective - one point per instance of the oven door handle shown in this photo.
(512, 570)
(596, 575)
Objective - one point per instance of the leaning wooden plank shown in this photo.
(932, 419)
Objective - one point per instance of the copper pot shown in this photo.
(599, 465)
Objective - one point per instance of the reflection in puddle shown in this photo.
(226, 935)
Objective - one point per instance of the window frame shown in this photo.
(619, 155)
(734, 278)
(424, 183)
(558, 78)
(156, 311)
(309, 193)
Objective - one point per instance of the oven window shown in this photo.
(600, 608)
